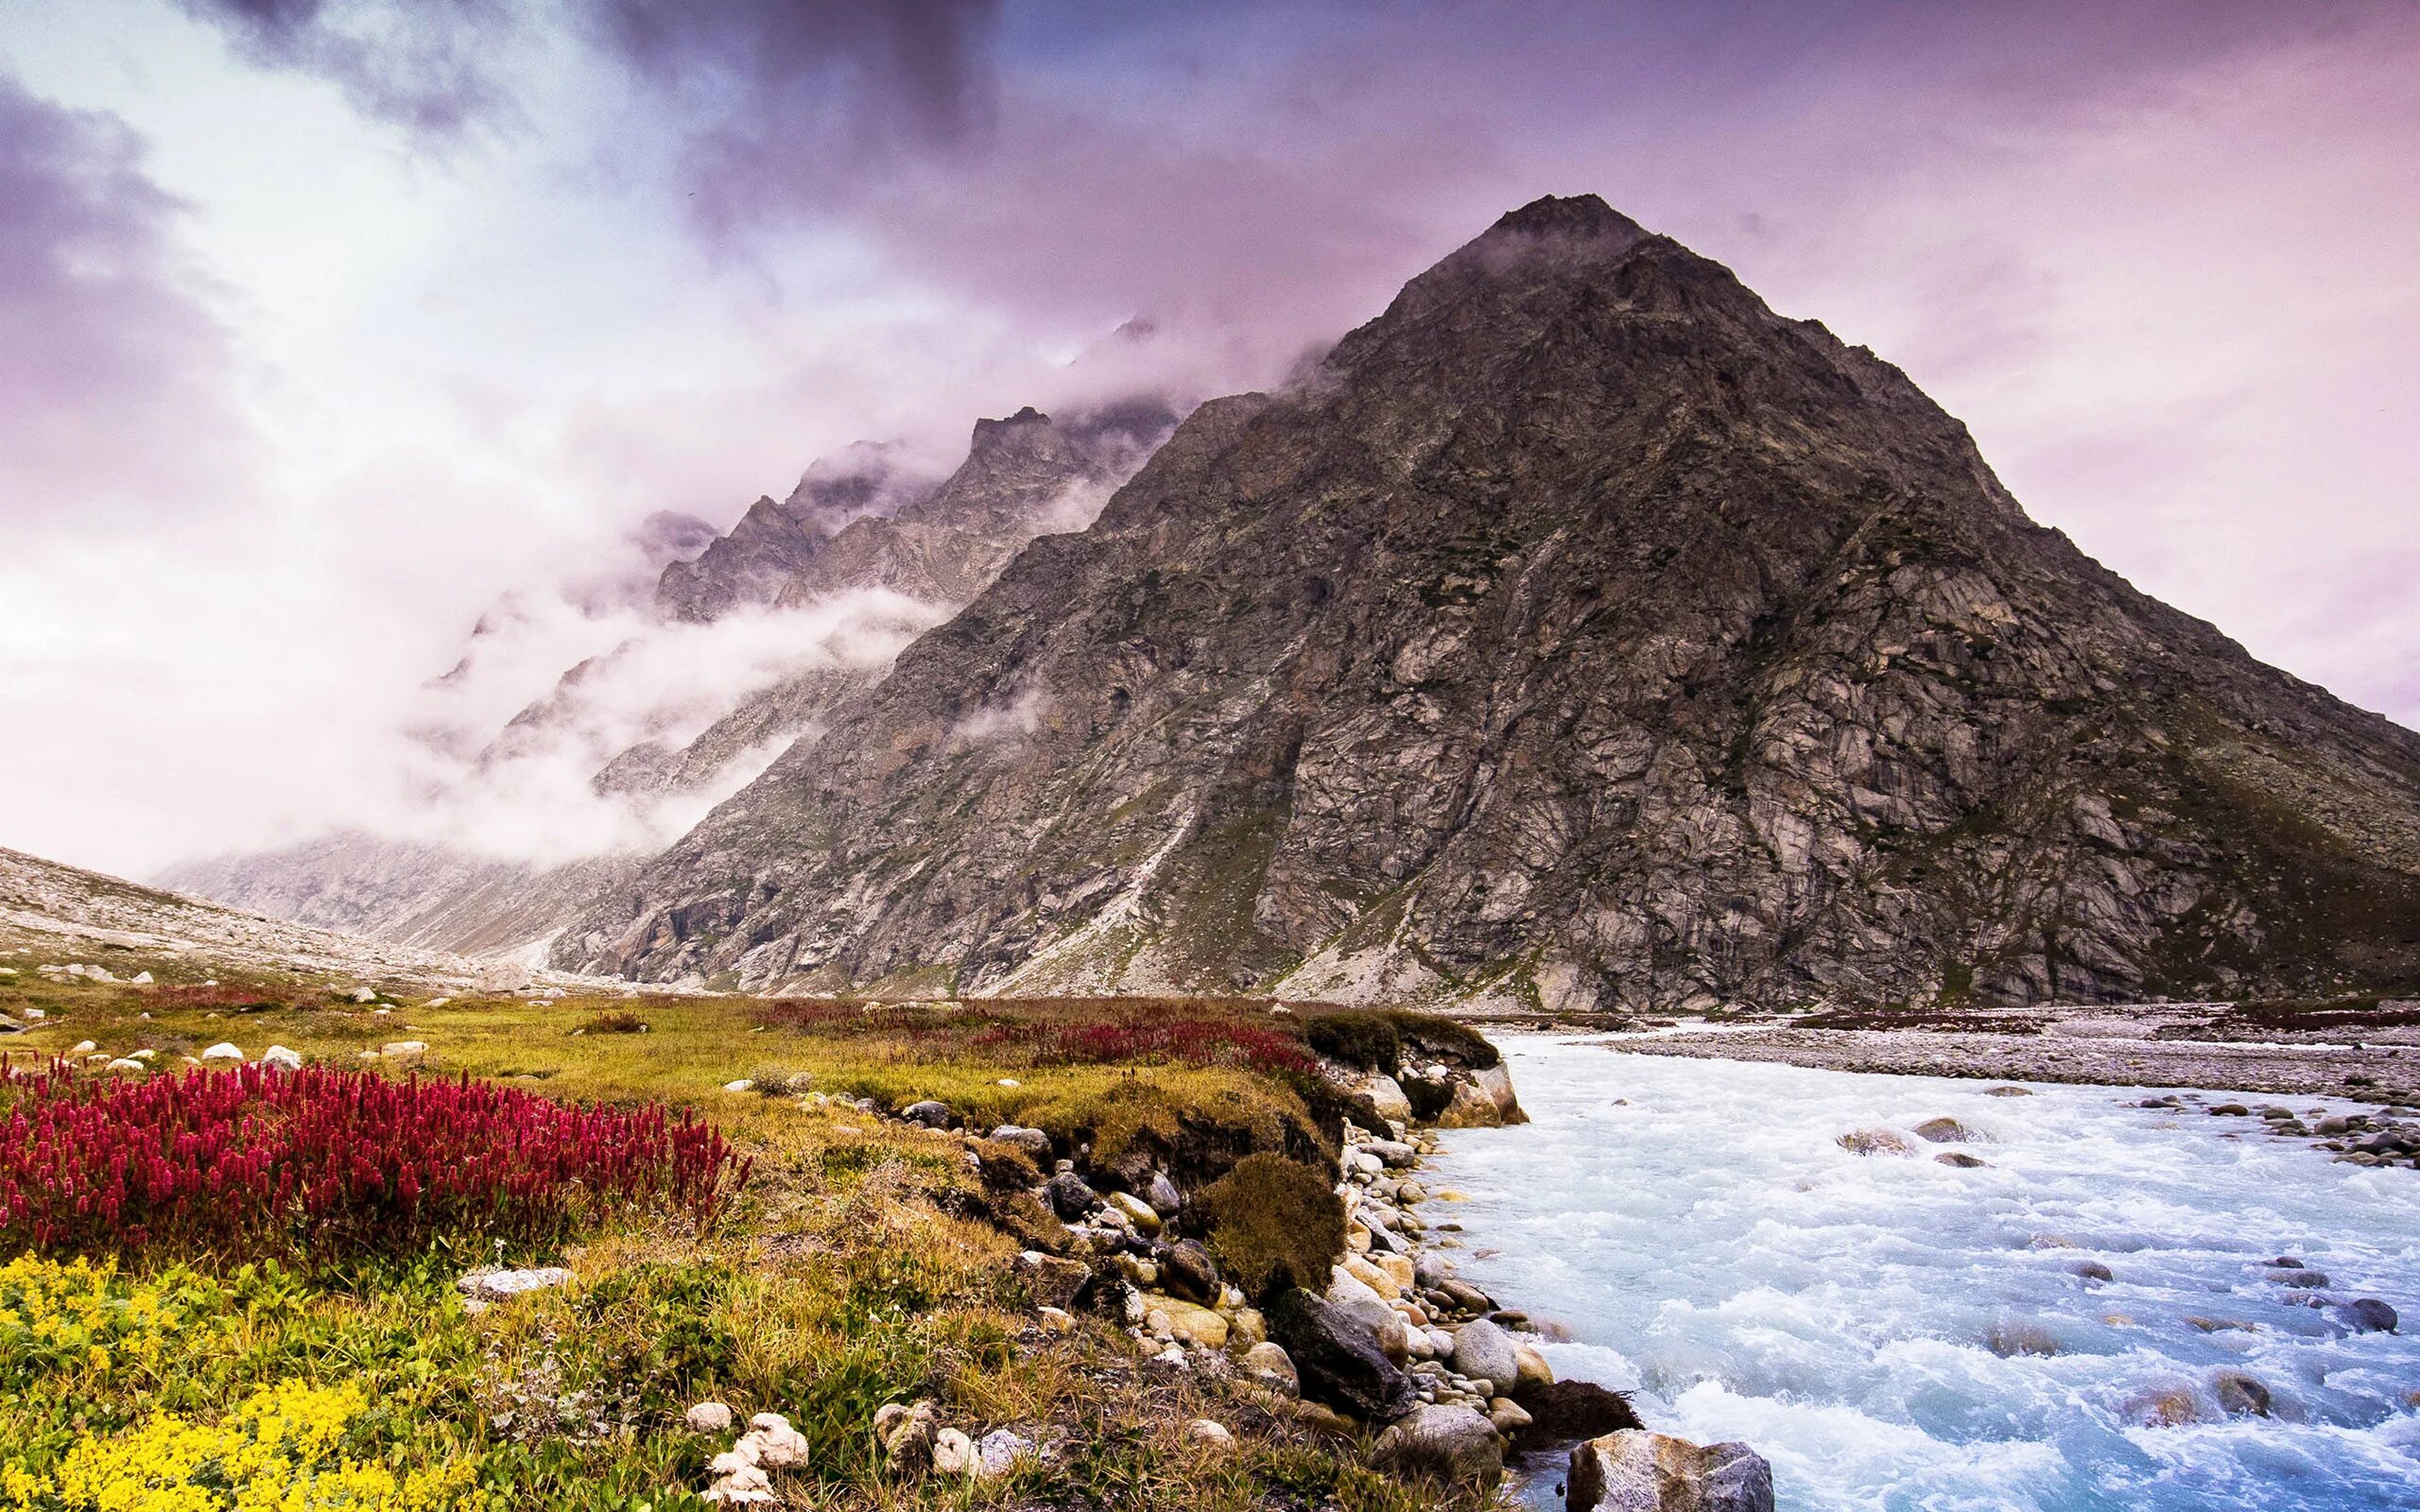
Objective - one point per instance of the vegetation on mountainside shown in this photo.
(865, 1261)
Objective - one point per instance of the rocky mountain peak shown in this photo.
(1582, 633)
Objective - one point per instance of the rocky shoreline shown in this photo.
(2164, 1045)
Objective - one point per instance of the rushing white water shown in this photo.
(1707, 1243)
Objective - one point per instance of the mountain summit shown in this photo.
(1580, 633)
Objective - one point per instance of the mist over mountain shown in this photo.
(1580, 633)
(739, 642)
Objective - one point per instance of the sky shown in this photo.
(326, 326)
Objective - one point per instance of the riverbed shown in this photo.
(1895, 1332)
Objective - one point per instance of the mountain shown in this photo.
(55, 919)
(1579, 634)
(864, 552)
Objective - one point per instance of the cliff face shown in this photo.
(1583, 633)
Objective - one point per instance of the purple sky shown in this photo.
(324, 323)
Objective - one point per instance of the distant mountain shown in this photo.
(1580, 633)
(53, 916)
(864, 552)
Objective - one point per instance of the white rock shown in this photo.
(83, 1047)
(363, 994)
(708, 1417)
(408, 1052)
(779, 1446)
(1209, 1434)
(741, 1486)
(742, 1085)
(283, 1058)
(222, 1051)
(141, 978)
(435, 1003)
(499, 1285)
(144, 1054)
(124, 1068)
(953, 1452)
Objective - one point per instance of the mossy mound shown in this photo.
(1272, 1224)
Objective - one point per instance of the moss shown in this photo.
(1274, 1224)
(1378, 1039)
(1367, 1040)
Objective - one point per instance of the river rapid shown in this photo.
(1705, 1240)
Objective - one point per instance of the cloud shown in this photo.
(423, 65)
(115, 396)
(532, 796)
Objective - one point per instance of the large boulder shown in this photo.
(1470, 1107)
(1484, 1351)
(1451, 1446)
(1386, 1095)
(1338, 1360)
(1496, 1081)
(1638, 1471)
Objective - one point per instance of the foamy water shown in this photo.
(1709, 1245)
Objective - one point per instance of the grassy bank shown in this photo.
(864, 1261)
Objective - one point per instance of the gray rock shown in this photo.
(1163, 1196)
(1451, 1446)
(997, 1453)
(502, 1285)
(1070, 1196)
(1054, 1279)
(930, 1113)
(2367, 1315)
(1269, 1364)
(1187, 1271)
(1638, 1471)
(1338, 1360)
(1483, 1351)
(1034, 1141)
(2240, 1395)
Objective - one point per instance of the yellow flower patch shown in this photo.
(278, 1450)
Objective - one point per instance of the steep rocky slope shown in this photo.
(1580, 633)
(907, 546)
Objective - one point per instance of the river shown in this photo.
(1707, 1243)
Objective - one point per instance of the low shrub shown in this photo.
(1272, 1224)
(329, 1163)
(620, 1021)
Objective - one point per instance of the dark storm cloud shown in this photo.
(789, 105)
(423, 65)
(113, 379)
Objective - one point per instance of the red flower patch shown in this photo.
(255, 1160)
